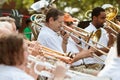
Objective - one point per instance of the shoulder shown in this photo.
(13, 73)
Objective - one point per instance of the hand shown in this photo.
(60, 71)
(35, 48)
(65, 35)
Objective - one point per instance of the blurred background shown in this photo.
(20, 9)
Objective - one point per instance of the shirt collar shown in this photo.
(93, 26)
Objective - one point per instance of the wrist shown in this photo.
(79, 42)
(65, 42)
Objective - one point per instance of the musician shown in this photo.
(33, 49)
(13, 57)
(69, 21)
(113, 70)
(98, 20)
(50, 36)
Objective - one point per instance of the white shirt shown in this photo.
(103, 40)
(13, 73)
(112, 71)
(111, 54)
(104, 35)
(51, 39)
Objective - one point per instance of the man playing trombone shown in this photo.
(50, 36)
(98, 20)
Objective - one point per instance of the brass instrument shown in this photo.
(74, 32)
(36, 19)
(94, 37)
(50, 53)
(69, 74)
(83, 34)
(111, 13)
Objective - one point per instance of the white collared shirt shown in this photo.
(50, 39)
(13, 73)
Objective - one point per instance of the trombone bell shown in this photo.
(96, 36)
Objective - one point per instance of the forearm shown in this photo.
(64, 46)
(81, 55)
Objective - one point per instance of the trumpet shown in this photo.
(50, 53)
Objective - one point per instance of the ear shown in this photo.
(94, 17)
(51, 20)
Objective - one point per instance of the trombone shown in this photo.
(85, 35)
(73, 32)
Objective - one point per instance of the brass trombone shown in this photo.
(74, 33)
(83, 34)
(94, 37)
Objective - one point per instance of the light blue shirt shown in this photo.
(13, 73)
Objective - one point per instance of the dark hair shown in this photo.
(118, 43)
(28, 21)
(53, 12)
(11, 49)
(96, 11)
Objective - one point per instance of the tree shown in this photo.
(83, 6)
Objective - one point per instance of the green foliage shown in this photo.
(84, 5)
(21, 3)
(27, 3)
